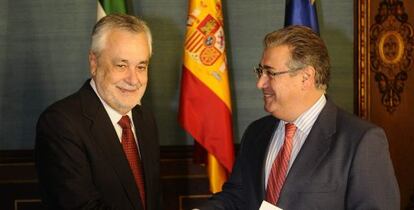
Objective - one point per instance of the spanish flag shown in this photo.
(106, 7)
(205, 102)
(301, 12)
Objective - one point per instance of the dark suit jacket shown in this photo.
(81, 163)
(343, 164)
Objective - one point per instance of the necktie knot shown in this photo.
(124, 122)
(290, 130)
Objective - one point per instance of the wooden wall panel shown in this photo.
(398, 124)
(19, 189)
(184, 183)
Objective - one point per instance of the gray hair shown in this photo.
(117, 21)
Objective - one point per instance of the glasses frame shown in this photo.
(270, 72)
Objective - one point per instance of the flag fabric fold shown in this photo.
(205, 102)
(106, 7)
(301, 12)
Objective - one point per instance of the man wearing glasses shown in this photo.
(308, 153)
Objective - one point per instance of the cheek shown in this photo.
(143, 78)
(275, 87)
(111, 77)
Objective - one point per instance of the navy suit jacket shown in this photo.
(343, 164)
(81, 163)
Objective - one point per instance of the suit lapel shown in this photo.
(103, 133)
(316, 146)
(259, 158)
(143, 142)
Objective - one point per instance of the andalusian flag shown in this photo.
(205, 104)
(106, 7)
(301, 12)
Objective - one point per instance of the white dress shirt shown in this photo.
(304, 124)
(115, 116)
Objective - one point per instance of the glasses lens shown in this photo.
(258, 71)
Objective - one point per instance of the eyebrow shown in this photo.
(142, 62)
(267, 67)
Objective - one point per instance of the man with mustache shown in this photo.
(308, 153)
(98, 148)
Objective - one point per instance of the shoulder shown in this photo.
(61, 120)
(336, 119)
(64, 107)
(71, 106)
(354, 132)
(263, 123)
(260, 129)
(351, 122)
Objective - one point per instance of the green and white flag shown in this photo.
(106, 7)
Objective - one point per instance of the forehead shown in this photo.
(123, 42)
(276, 56)
(121, 35)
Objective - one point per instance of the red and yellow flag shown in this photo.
(205, 102)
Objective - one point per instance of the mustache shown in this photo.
(126, 86)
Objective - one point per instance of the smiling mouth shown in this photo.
(123, 90)
(267, 94)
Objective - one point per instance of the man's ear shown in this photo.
(308, 77)
(93, 63)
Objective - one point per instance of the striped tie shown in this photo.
(280, 166)
(131, 152)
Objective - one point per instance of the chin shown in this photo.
(272, 110)
(268, 107)
(128, 106)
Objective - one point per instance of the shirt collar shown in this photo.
(306, 120)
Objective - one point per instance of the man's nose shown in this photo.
(132, 76)
(262, 81)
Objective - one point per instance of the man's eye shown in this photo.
(270, 73)
(141, 68)
(121, 65)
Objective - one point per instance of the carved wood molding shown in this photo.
(391, 51)
(363, 87)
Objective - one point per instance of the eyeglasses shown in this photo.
(260, 70)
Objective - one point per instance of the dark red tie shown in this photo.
(280, 166)
(131, 152)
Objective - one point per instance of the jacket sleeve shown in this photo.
(63, 167)
(234, 193)
(231, 196)
(372, 183)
